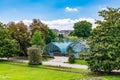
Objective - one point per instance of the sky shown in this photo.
(59, 14)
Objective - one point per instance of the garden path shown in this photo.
(60, 61)
(57, 61)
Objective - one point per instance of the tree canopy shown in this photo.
(8, 45)
(82, 29)
(37, 39)
(105, 42)
(50, 36)
(21, 34)
(2, 25)
(38, 25)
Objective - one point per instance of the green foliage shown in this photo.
(81, 62)
(21, 35)
(8, 46)
(37, 39)
(51, 36)
(105, 42)
(73, 38)
(82, 29)
(60, 36)
(35, 55)
(2, 25)
(71, 58)
(72, 33)
(38, 25)
(84, 56)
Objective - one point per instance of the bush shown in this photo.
(34, 55)
(71, 58)
(83, 55)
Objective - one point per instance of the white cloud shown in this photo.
(67, 24)
(68, 9)
(63, 24)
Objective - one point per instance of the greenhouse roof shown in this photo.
(78, 46)
(62, 45)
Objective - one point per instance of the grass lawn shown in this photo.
(46, 59)
(82, 62)
(22, 71)
(26, 58)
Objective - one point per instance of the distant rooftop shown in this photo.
(64, 32)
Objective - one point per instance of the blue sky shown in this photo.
(12, 10)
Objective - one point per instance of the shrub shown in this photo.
(34, 55)
(83, 55)
(71, 58)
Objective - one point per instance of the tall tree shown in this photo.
(82, 29)
(50, 36)
(105, 42)
(37, 39)
(2, 25)
(21, 34)
(8, 46)
(38, 25)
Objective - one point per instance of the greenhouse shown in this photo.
(77, 47)
(56, 48)
(66, 48)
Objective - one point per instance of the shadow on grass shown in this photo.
(55, 68)
(59, 68)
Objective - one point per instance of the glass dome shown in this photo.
(78, 46)
(56, 48)
(63, 48)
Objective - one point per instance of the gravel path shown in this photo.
(60, 61)
(57, 61)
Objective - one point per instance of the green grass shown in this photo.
(26, 58)
(46, 59)
(23, 71)
(82, 62)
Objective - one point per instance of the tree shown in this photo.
(72, 33)
(60, 38)
(105, 42)
(2, 25)
(8, 46)
(20, 33)
(37, 39)
(51, 36)
(82, 29)
(38, 25)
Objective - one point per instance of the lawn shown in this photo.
(82, 62)
(22, 71)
